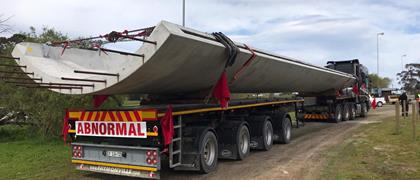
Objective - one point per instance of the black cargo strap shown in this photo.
(231, 48)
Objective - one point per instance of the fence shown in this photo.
(415, 111)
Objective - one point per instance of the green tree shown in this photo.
(378, 82)
(410, 79)
(44, 108)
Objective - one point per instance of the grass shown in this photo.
(376, 152)
(27, 156)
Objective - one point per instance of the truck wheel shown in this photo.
(267, 135)
(285, 131)
(346, 112)
(338, 115)
(363, 110)
(243, 139)
(208, 152)
(352, 110)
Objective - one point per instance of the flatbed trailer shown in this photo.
(133, 141)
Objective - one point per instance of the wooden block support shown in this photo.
(403, 109)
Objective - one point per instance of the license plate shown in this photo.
(114, 153)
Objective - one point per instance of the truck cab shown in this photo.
(341, 104)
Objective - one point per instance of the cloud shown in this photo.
(312, 30)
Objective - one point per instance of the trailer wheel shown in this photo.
(243, 140)
(346, 112)
(267, 135)
(338, 114)
(285, 131)
(208, 152)
(352, 110)
(363, 110)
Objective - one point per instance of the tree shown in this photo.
(410, 79)
(378, 82)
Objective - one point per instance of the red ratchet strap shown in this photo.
(246, 64)
(100, 48)
(114, 36)
(167, 126)
(66, 126)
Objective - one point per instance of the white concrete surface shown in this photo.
(179, 63)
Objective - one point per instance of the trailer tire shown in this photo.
(208, 152)
(338, 114)
(267, 135)
(285, 131)
(352, 110)
(346, 112)
(363, 109)
(243, 139)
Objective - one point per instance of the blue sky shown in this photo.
(313, 31)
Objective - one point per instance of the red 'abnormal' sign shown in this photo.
(111, 129)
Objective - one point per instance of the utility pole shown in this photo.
(402, 62)
(377, 51)
(183, 13)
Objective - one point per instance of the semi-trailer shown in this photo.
(187, 116)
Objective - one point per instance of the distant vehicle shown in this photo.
(411, 98)
(393, 98)
(380, 101)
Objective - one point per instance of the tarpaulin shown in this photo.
(66, 127)
(221, 91)
(167, 126)
(373, 104)
(356, 89)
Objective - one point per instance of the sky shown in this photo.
(314, 31)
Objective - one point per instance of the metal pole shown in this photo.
(377, 54)
(377, 51)
(183, 13)
(402, 62)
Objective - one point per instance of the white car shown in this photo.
(380, 101)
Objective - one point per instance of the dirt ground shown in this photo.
(301, 159)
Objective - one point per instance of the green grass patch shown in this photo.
(376, 152)
(27, 156)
